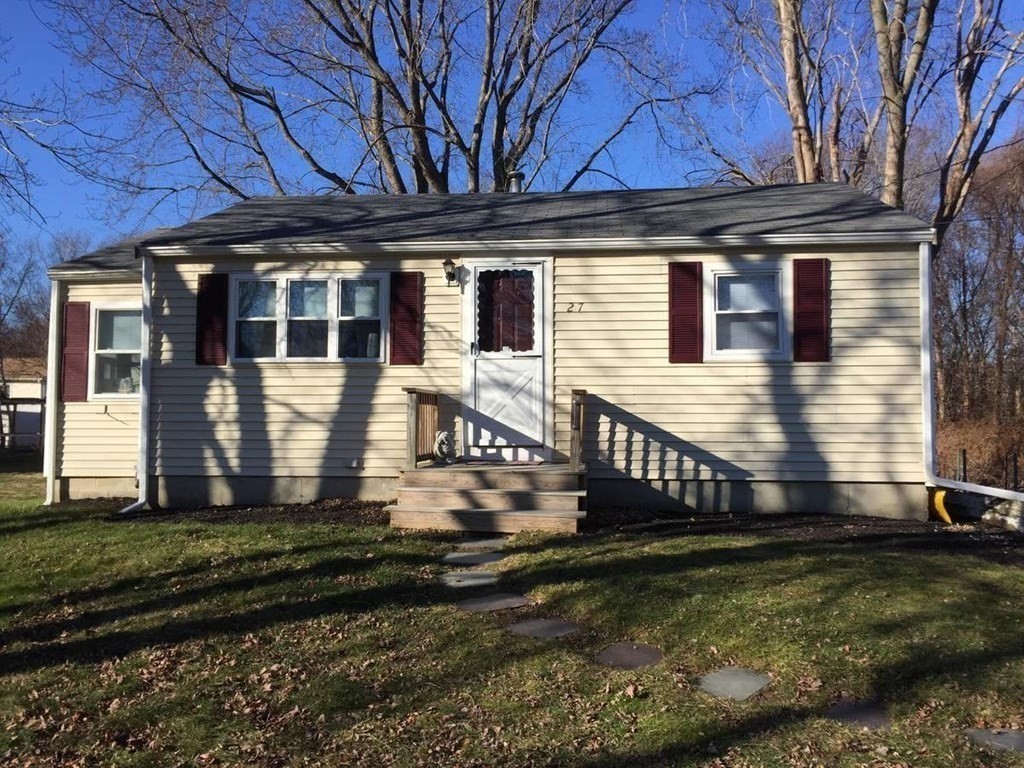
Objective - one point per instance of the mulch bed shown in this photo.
(332, 511)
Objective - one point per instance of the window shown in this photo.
(117, 352)
(310, 317)
(746, 313)
(308, 328)
(256, 326)
(359, 319)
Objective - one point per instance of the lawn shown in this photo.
(205, 639)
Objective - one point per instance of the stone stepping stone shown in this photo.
(734, 683)
(544, 629)
(629, 655)
(868, 715)
(502, 601)
(472, 558)
(463, 579)
(997, 738)
(483, 545)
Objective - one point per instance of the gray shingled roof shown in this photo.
(708, 212)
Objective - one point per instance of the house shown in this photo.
(22, 395)
(734, 348)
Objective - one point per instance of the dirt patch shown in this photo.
(333, 511)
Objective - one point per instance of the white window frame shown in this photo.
(94, 327)
(783, 276)
(333, 315)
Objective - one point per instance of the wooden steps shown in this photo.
(491, 498)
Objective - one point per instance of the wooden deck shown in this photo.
(491, 498)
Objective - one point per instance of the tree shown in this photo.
(931, 61)
(243, 97)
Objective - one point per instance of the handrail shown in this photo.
(422, 419)
(577, 415)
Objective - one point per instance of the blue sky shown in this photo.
(68, 203)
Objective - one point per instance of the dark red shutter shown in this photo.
(74, 352)
(212, 320)
(810, 311)
(685, 312)
(406, 318)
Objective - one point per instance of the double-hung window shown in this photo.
(747, 316)
(117, 352)
(310, 317)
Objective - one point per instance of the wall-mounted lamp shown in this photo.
(451, 272)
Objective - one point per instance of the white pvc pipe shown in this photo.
(928, 395)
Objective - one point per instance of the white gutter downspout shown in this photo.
(142, 464)
(52, 366)
(928, 400)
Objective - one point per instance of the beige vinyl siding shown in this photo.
(289, 419)
(856, 418)
(99, 438)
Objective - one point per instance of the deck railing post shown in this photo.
(577, 415)
(422, 417)
(412, 418)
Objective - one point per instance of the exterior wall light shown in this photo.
(451, 272)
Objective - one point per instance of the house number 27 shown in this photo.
(575, 306)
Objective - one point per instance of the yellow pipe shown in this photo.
(938, 505)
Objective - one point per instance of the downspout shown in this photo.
(52, 365)
(142, 464)
(928, 395)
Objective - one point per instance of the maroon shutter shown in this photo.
(212, 320)
(685, 312)
(810, 311)
(406, 318)
(74, 352)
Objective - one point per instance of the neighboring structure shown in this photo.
(754, 348)
(22, 397)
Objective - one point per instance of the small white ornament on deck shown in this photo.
(444, 447)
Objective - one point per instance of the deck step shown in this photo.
(491, 498)
(539, 478)
(484, 520)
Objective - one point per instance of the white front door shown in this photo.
(504, 402)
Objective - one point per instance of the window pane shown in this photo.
(505, 310)
(307, 298)
(257, 298)
(359, 338)
(307, 338)
(119, 329)
(117, 372)
(747, 293)
(360, 298)
(758, 330)
(255, 338)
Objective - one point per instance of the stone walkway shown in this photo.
(728, 682)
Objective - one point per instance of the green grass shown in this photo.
(181, 642)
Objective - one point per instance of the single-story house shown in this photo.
(709, 349)
(22, 394)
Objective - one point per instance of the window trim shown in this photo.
(333, 315)
(783, 272)
(94, 326)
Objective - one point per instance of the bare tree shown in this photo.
(190, 98)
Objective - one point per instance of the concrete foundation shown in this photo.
(185, 492)
(898, 501)
(71, 488)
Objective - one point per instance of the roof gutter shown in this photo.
(589, 244)
(50, 424)
(142, 464)
(928, 399)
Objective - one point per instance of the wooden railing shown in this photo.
(422, 418)
(577, 415)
